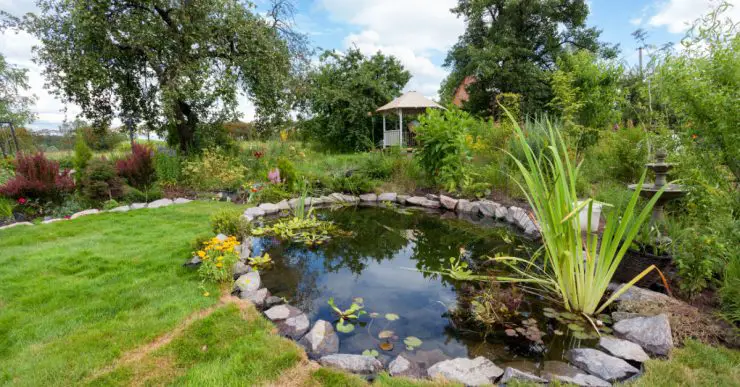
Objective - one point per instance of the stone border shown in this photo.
(135, 206)
(462, 207)
(620, 360)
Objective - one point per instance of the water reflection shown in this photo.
(377, 264)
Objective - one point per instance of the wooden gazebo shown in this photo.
(409, 103)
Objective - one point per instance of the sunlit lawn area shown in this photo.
(78, 299)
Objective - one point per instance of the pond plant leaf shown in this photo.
(606, 329)
(391, 316)
(370, 353)
(374, 315)
(581, 335)
(558, 332)
(385, 334)
(569, 316)
(386, 346)
(575, 327)
(345, 327)
(412, 342)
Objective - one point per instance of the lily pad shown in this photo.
(391, 316)
(412, 342)
(558, 332)
(581, 335)
(386, 346)
(345, 327)
(569, 316)
(374, 315)
(549, 310)
(385, 334)
(370, 352)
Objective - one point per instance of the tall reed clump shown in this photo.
(576, 269)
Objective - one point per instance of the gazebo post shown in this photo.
(384, 142)
(400, 127)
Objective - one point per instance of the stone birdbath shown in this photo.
(672, 191)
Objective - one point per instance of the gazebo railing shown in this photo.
(391, 138)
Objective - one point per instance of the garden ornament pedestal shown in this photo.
(672, 191)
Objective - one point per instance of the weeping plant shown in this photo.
(575, 270)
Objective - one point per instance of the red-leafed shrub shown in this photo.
(37, 177)
(138, 167)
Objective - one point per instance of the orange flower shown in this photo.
(694, 136)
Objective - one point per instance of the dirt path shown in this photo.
(136, 355)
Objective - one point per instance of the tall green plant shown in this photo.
(577, 271)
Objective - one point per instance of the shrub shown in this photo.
(288, 173)
(229, 222)
(214, 170)
(100, 181)
(168, 167)
(6, 170)
(82, 156)
(354, 184)
(270, 193)
(36, 177)
(138, 167)
(69, 206)
(443, 151)
(379, 165)
(6, 209)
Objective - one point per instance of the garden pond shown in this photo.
(390, 265)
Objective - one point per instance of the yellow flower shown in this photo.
(221, 258)
(206, 294)
(201, 253)
(220, 265)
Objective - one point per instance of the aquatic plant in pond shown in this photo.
(575, 272)
(260, 262)
(345, 316)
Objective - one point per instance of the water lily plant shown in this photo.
(353, 313)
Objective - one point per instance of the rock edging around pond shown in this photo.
(516, 216)
(135, 206)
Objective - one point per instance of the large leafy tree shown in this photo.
(176, 65)
(15, 103)
(343, 90)
(511, 46)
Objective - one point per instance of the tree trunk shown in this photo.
(186, 123)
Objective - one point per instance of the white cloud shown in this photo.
(677, 15)
(415, 31)
(636, 21)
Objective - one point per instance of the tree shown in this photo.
(343, 90)
(511, 46)
(15, 107)
(177, 66)
(587, 94)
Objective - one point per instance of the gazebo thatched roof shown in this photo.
(409, 101)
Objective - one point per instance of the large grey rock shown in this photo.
(400, 366)
(369, 197)
(241, 268)
(401, 199)
(448, 202)
(283, 205)
(468, 207)
(425, 358)
(514, 213)
(48, 221)
(387, 197)
(357, 364)
(619, 316)
(635, 293)
(254, 212)
(290, 320)
(351, 199)
(160, 203)
(273, 301)
(653, 334)
(488, 208)
(623, 349)
(84, 213)
(471, 372)
(269, 208)
(501, 212)
(249, 282)
(221, 237)
(195, 261)
(598, 363)
(257, 297)
(423, 202)
(182, 201)
(138, 206)
(16, 225)
(121, 209)
(320, 201)
(321, 340)
(515, 374)
(563, 372)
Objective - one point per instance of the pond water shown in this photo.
(387, 263)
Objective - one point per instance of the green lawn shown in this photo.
(78, 298)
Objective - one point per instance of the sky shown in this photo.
(418, 32)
